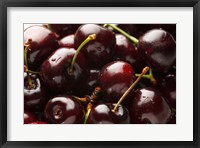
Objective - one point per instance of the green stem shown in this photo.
(87, 115)
(149, 76)
(89, 38)
(133, 39)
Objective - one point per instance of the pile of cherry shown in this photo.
(100, 74)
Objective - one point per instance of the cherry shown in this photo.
(102, 114)
(29, 117)
(35, 94)
(115, 78)
(64, 69)
(149, 106)
(63, 29)
(157, 46)
(67, 41)
(159, 49)
(111, 113)
(99, 51)
(64, 109)
(55, 70)
(128, 52)
(43, 43)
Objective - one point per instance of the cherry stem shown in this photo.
(89, 38)
(89, 108)
(27, 45)
(133, 39)
(149, 76)
(144, 71)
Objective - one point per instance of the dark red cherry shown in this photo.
(43, 43)
(103, 114)
(99, 51)
(29, 117)
(167, 86)
(38, 122)
(65, 110)
(63, 29)
(35, 95)
(158, 48)
(128, 52)
(67, 41)
(55, 71)
(115, 78)
(149, 106)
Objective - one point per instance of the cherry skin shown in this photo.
(103, 114)
(29, 117)
(115, 78)
(64, 109)
(149, 107)
(158, 48)
(67, 41)
(35, 96)
(63, 30)
(55, 70)
(99, 51)
(43, 43)
(128, 52)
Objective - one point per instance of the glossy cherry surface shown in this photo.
(67, 41)
(158, 48)
(29, 117)
(99, 51)
(43, 43)
(35, 97)
(103, 114)
(115, 78)
(55, 70)
(149, 107)
(128, 52)
(65, 110)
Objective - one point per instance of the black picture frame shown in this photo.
(98, 3)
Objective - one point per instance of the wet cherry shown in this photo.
(43, 43)
(115, 78)
(35, 94)
(158, 48)
(55, 70)
(65, 110)
(99, 51)
(149, 106)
